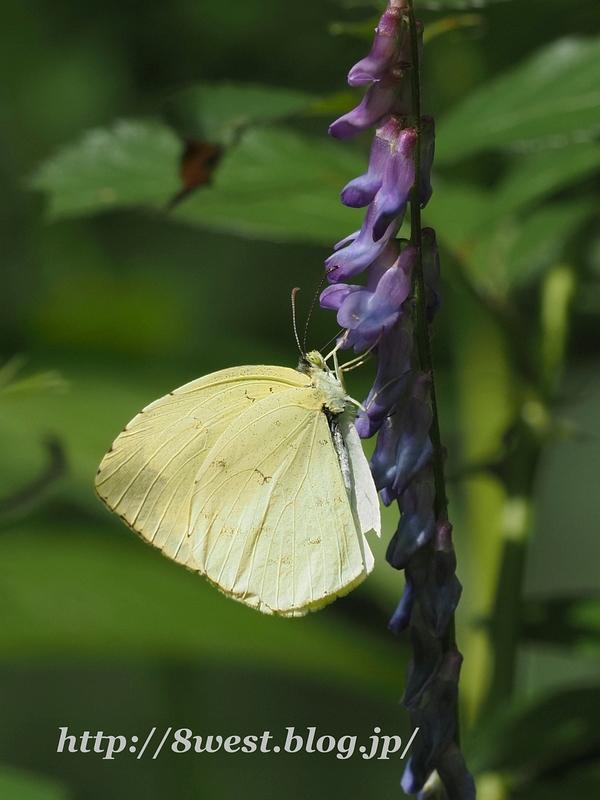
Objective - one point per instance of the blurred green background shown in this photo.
(110, 302)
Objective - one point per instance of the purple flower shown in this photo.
(425, 663)
(436, 720)
(393, 374)
(377, 103)
(367, 311)
(417, 522)
(458, 781)
(440, 593)
(403, 445)
(362, 251)
(401, 617)
(385, 50)
(398, 178)
(362, 190)
(427, 151)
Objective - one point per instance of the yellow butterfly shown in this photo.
(255, 477)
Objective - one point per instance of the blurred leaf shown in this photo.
(569, 621)
(279, 185)
(519, 250)
(72, 593)
(17, 784)
(28, 497)
(550, 734)
(550, 100)
(134, 163)
(275, 184)
(217, 112)
(456, 212)
(535, 177)
(12, 387)
(582, 783)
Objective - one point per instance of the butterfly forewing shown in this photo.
(271, 522)
(148, 475)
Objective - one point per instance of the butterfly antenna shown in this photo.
(302, 349)
(312, 305)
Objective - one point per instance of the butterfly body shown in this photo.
(255, 477)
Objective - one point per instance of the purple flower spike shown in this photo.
(417, 523)
(431, 273)
(398, 178)
(441, 592)
(436, 722)
(377, 103)
(458, 781)
(414, 448)
(361, 252)
(393, 374)
(401, 617)
(362, 190)
(427, 149)
(426, 660)
(367, 311)
(385, 48)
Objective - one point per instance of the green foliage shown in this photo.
(543, 746)
(572, 622)
(132, 163)
(274, 184)
(551, 100)
(17, 784)
(279, 185)
(77, 591)
(217, 113)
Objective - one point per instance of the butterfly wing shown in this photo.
(365, 500)
(271, 521)
(147, 477)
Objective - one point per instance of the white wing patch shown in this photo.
(365, 499)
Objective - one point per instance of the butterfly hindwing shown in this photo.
(271, 521)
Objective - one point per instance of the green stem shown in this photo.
(422, 333)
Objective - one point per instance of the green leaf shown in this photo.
(550, 100)
(216, 112)
(18, 784)
(553, 733)
(536, 177)
(83, 592)
(573, 622)
(275, 184)
(134, 163)
(582, 783)
(279, 185)
(518, 251)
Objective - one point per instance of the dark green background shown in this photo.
(126, 306)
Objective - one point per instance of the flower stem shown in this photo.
(422, 333)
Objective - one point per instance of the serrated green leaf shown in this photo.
(18, 784)
(550, 100)
(83, 592)
(216, 112)
(134, 163)
(280, 185)
(274, 184)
